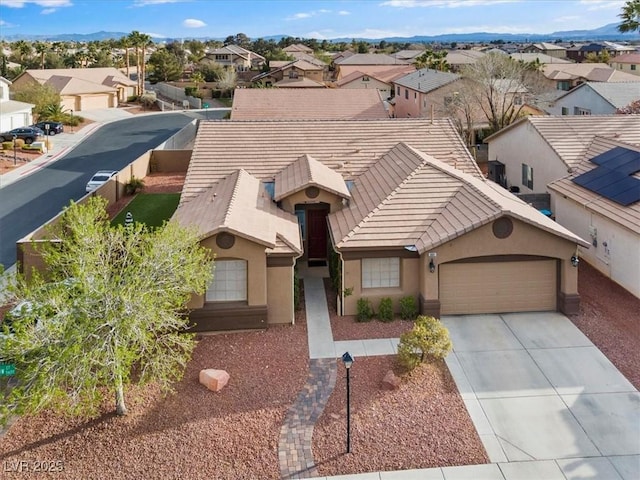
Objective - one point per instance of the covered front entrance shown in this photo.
(316, 241)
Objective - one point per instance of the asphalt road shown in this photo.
(32, 201)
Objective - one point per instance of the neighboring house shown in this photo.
(540, 58)
(297, 48)
(407, 55)
(83, 89)
(297, 73)
(549, 49)
(629, 63)
(580, 53)
(423, 93)
(570, 75)
(600, 201)
(375, 77)
(13, 114)
(458, 59)
(346, 65)
(596, 98)
(307, 104)
(234, 56)
(554, 147)
(401, 203)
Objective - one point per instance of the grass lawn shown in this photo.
(150, 208)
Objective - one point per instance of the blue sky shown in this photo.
(303, 18)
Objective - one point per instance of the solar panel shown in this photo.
(612, 178)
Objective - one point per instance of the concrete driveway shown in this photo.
(538, 389)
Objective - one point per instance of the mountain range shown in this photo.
(607, 32)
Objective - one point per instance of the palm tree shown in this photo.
(630, 16)
(145, 41)
(140, 41)
(41, 49)
(125, 42)
(23, 48)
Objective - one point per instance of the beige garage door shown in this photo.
(93, 102)
(497, 287)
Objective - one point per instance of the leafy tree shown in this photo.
(164, 66)
(601, 57)
(433, 60)
(42, 96)
(111, 313)
(212, 71)
(428, 338)
(240, 39)
(630, 16)
(632, 108)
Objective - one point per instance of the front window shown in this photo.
(581, 111)
(527, 176)
(229, 281)
(381, 272)
(565, 110)
(633, 67)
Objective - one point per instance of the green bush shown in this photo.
(132, 98)
(385, 309)
(408, 308)
(134, 185)
(365, 310)
(7, 145)
(427, 339)
(296, 290)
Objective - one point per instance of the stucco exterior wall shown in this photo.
(353, 279)
(421, 104)
(616, 248)
(334, 201)
(583, 97)
(523, 144)
(280, 295)
(416, 279)
(256, 259)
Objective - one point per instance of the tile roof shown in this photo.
(239, 204)
(463, 57)
(541, 57)
(370, 59)
(308, 58)
(411, 198)
(76, 86)
(319, 104)
(628, 216)
(571, 135)
(264, 148)
(626, 58)
(596, 72)
(108, 76)
(617, 94)
(306, 172)
(302, 82)
(297, 47)
(380, 72)
(547, 46)
(426, 80)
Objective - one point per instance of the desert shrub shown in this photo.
(427, 339)
(408, 308)
(7, 145)
(364, 310)
(385, 309)
(134, 185)
(19, 143)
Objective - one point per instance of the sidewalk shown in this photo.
(61, 144)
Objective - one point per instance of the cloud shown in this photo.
(50, 4)
(193, 23)
(48, 11)
(344, 12)
(444, 3)
(568, 18)
(313, 13)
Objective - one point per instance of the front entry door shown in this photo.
(317, 234)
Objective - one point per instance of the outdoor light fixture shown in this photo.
(432, 266)
(347, 359)
(575, 260)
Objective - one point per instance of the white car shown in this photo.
(99, 178)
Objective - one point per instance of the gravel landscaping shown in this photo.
(233, 434)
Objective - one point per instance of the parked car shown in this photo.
(54, 127)
(99, 178)
(28, 134)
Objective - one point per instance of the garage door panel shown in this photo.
(495, 287)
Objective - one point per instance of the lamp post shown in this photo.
(15, 160)
(347, 359)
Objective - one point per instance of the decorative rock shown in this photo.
(214, 379)
(390, 381)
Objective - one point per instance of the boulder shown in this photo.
(214, 379)
(390, 381)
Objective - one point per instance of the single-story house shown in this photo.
(596, 98)
(83, 89)
(307, 104)
(550, 49)
(600, 201)
(13, 114)
(291, 74)
(401, 203)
